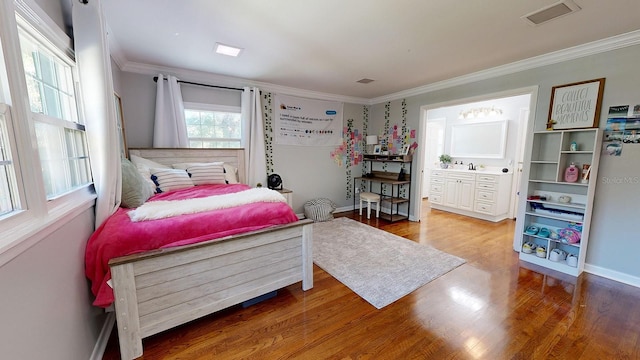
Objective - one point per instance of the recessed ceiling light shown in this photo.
(364, 81)
(227, 50)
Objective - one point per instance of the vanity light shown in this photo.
(480, 112)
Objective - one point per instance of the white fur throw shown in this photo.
(154, 210)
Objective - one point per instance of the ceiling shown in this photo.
(327, 46)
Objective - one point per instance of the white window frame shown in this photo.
(217, 108)
(39, 217)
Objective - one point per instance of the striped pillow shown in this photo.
(170, 179)
(202, 174)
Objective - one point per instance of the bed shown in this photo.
(155, 290)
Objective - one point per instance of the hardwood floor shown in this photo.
(492, 307)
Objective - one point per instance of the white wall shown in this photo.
(46, 301)
(511, 111)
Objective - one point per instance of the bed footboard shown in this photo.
(158, 290)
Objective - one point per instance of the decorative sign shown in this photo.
(307, 122)
(576, 105)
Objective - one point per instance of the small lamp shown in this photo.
(371, 140)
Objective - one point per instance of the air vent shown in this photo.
(364, 81)
(551, 12)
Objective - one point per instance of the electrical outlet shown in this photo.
(357, 190)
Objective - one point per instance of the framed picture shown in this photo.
(377, 149)
(405, 150)
(576, 105)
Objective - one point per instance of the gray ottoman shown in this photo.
(319, 209)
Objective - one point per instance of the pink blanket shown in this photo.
(119, 236)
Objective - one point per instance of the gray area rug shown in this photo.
(379, 266)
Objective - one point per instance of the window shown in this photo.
(213, 126)
(9, 199)
(60, 136)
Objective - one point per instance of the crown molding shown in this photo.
(221, 80)
(575, 52)
(592, 48)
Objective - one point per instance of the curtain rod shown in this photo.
(155, 79)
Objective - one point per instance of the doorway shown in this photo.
(517, 106)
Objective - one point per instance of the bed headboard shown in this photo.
(167, 156)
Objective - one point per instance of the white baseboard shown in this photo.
(613, 275)
(103, 338)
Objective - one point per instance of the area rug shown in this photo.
(378, 266)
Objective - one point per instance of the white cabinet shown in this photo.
(555, 213)
(482, 195)
(492, 194)
(436, 190)
(459, 190)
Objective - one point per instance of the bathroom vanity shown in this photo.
(481, 194)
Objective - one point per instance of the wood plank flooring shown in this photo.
(492, 307)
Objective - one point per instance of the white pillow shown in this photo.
(202, 174)
(167, 179)
(146, 163)
(143, 165)
(230, 174)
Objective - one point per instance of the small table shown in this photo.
(288, 194)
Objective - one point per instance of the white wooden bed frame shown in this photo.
(157, 290)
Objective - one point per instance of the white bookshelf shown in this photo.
(551, 154)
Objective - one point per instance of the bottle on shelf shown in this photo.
(571, 174)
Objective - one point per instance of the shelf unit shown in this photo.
(551, 154)
(395, 194)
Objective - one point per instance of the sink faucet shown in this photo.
(471, 166)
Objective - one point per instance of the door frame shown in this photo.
(416, 197)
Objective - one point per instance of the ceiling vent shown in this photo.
(364, 81)
(551, 12)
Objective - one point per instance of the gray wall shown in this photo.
(310, 172)
(613, 240)
(46, 300)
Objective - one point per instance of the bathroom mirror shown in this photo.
(486, 140)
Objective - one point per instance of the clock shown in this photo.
(274, 182)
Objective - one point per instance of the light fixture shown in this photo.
(227, 50)
(551, 12)
(480, 112)
(371, 140)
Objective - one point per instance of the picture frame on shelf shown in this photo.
(377, 150)
(404, 151)
(576, 105)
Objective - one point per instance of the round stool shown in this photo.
(370, 198)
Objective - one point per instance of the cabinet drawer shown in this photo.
(437, 180)
(460, 175)
(486, 186)
(437, 188)
(437, 173)
(435, 198)
(486, 195)
(488, 178)
(485, 208)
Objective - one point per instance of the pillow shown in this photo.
(230, 174)
(202, 174)
(146, 163)
(167, 179)
(135, 190)
(143, 165)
